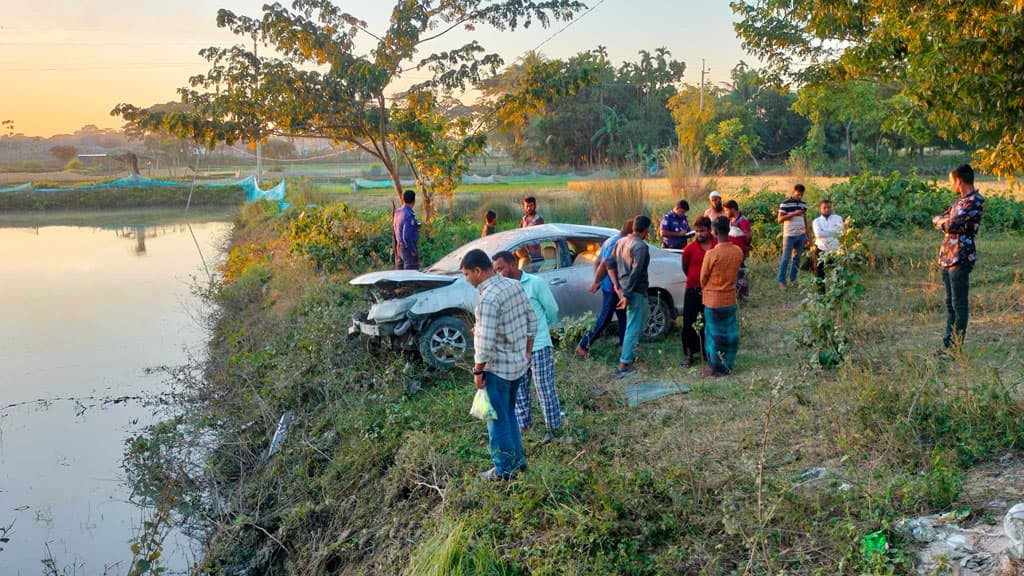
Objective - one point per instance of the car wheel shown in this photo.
(444, 341)
(659, 318)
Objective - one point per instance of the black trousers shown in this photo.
(693, 305)
(957, 281)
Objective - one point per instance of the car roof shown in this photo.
(546, 231)
(502, 240)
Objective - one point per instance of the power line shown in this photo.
(564, 28)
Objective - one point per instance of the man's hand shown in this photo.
(478, 379)
(594, 287)
(622, 303)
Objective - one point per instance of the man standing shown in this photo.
(793, 216)
(490, 221)
(502, 340)
(718, 283)
(958, 254)
(407, 234)
(828, 231)
(530, 215)
(716, 210)
(674, 226)
(609, 298)
(542, 361)
(740, 235)
(628, 271)
(693, 304)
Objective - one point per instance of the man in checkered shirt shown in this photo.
(502, 340)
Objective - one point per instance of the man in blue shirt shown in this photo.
(407, 234)
(675, 228)
(542, 361)
(609, 299)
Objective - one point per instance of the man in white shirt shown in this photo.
(828, 232)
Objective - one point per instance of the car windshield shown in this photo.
(451, 264)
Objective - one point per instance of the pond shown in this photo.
(86, 314)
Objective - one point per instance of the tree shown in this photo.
(63, 153)
(958, 60)
(437, 145)
(692, 122)
(323, 85)
(853, 103)
(585, 111)
(734, 142)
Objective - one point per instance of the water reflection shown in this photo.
(82, 319)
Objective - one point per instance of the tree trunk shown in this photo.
(849, 146)
(259, 162)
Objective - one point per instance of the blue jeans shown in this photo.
(792, 250)
(608, 302)
(506, 443)
(636, 323)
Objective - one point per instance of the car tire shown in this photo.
(445, 340)
(659, 318)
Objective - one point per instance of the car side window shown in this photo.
(583, 251)
(538, 257)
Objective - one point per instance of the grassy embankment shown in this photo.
(119, 198)
(378, 471)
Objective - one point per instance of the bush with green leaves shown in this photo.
(896, 201)
(829, 302)
(338, 238)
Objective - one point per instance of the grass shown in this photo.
(375, 478)
(125, 217)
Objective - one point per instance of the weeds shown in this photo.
(616, 200)
(373, 478)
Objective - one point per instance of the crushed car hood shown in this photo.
(392, 284)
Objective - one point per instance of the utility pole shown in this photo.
(703, 71)
(259, 136)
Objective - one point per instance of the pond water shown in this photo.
(85, 313)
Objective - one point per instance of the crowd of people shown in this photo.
(514, 310)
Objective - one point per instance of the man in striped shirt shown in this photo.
(793, 216)
(502, 341)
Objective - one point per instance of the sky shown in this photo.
(66, 63)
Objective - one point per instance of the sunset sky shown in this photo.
(65, 63)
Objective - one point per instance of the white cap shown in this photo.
(715, 194)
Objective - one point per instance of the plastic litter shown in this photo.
(282, 429)
(482, 408)
(636, 393)
(874, 544)
(1013, 524)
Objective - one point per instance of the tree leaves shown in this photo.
(958, 61)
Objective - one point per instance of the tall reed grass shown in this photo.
(613, 201)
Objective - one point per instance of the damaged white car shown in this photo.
(431, 312)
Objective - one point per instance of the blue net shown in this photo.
(252, 189)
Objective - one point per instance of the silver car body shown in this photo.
(403, 302)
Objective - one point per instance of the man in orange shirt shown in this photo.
(718, 287)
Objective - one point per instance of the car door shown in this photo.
(549, 267)
(581, 255)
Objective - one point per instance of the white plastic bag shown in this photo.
(482, 408)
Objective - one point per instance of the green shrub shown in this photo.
(338, 238)
(73, 165)
(895, 202)
(829, 303)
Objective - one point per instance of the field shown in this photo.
(782, 467)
